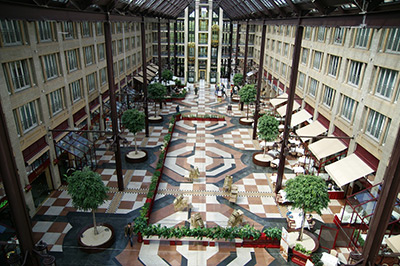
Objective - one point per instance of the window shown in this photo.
(89, 55)
(128, 62)
(133, 42)
(348, 107)
(338, 36)
(91, 82)
(279, 47)
(355, 72)
(271, 62)
(362, 37)
(317, 60)
(284, 68)
(103, 76)
(300, 81)
(304, 56)
(321, 34)
(50, 66)
(277, 65)
(114, 48)
(115, 69)
(134, 60)
(45, 31)
(127, 48)
(273, 45)
(307, 33)
(120, 47)
(11, 33)
(286, 49)
(329, 94)
(376, 124)
(393, 41)
(28, 116)
(86, 29)
(56, 101)
(99, 28)
(101, 51)
(386, 82)
(72, 60)
(69, 29)
(17, 75)
(312, 88)
(76, 90)
(334, 62)
(121, 66)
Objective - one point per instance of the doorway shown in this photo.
(202, 74)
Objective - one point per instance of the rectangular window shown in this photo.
(338, 36)
(99, 28)
(307, 33)
(50, 66)
(355, 72)
(329, 94)
(133, 42)
(11, 33)
(89, 55)
(69, 30)
(284, 68)
(376, 124)
(72, 60)
(86, 29)
(279, 48)
(121, 66)
(393, 42)
(76, 90)
(321, 34)
(334, 62)
(312, 88)
(273, 46)
(304, 56)
(386, 82)
(103, 76)
(101, 51)
(362, 37)
(317, 60)
(17, 75)
(277, 65)
(348, 107)
(300, 81)
(56, 101)
(45, 31)
(127, 44)
(28, 116)
(91, 82)
(120, 47)
(128, 62)
(286, 49)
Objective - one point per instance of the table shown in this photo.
(294, 142)
(298, 170)
(329, 260)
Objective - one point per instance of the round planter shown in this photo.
(261, 160)
(246, 122)
(156, 119)
(131, 157)
(235, 99)
(96, 243)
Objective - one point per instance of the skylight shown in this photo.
(267, 4)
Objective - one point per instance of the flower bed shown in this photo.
(177, 96)
(250, 236)
(203, 117)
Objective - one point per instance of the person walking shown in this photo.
(129, 233)
(177, 109)
(195, 90)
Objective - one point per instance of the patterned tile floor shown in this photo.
(217, 149)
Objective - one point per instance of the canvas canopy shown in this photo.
(394, 243)
(282, 110)
(314, 129)
(325, 147)
(300, 117)
(279, 100)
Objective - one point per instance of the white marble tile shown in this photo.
(129, 197)
(56, 248)
(67, 228)
(108, 171)
(268, 201)
(134, 185)
(249, 181)
(41, 227)
(54, 210)
(264, 189)
(256, 208)
(50, 238)
(243, 256)
(199, 207)
(242, 200)
(49, 201)
(186, 186)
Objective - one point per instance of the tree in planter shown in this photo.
(134, 121)
(247, 95)
(87, 191)
(268, 129)
(308, 193)
(166, 75)
(238, 80)
(156, 91)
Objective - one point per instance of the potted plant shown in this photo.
(156, 92)
(308, 193)
(247, 95)
(88, 192)
(237, 81)
(134, 121)
(268, 130)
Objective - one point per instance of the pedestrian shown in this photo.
(129, 233)
(195, 90)
(177, 109)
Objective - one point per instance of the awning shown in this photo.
(326, 147)
(314, 129)
(140, 79)
(394, 243)
(300, 117)
(282, 110)
(348, 170)
(37, 155)
(280, 99)
(251, 73)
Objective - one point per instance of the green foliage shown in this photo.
(299, 247)
(178, 82)
(203, 116)
(182, 94)
(268, 128)
(316, 259)
(156, 91)
(86, 189)
(238, 79)
(273, 232)
(307, 192)
(248, 94)
(166, 74)
(133, 120)
(167, 137)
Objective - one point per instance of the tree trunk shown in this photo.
(265, 148)
(134, 137)
(94, 223)
(302, 227)
(248, 107)
(155, 109)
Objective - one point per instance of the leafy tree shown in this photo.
(134, 121)
(166, 75)
(238, 79)
(268, 129)
(156, 92)
(87, 191)
(308, 193)
(247, 95)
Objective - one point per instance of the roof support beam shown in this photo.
(280, 10)
(175, 48)
(159, 50)
(168, 44)
(246, 48)
(230, 52)
(144, 69)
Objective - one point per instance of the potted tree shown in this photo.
(268, 130)
(156, 92)
(247, 95)
(134, 121)
(237, 81)
(166, 76)
(308, 193)
(88, 192)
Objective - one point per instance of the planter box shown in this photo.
(300, 258)
(336, 194)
